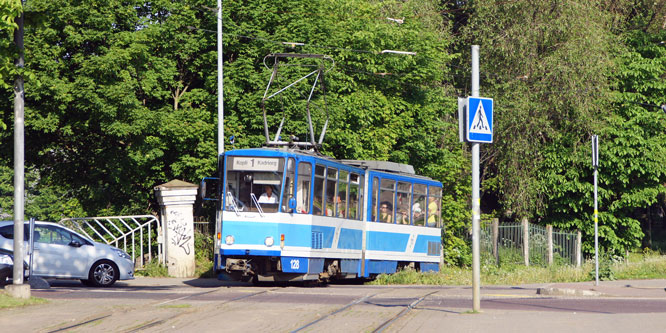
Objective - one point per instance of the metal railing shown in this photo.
(204, 227)
(132, 234)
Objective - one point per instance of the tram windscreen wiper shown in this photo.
(254, 199)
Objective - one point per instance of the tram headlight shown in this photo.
(269, 241)
(229, 240)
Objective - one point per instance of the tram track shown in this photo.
(404, 311)
(380, 328)
(354, 302)
(97, 318)
(162, 321)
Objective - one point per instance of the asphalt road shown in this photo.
(156, 305)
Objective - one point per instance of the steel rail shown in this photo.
(404, 311)
(362, 299)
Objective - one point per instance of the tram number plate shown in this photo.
(294, 265)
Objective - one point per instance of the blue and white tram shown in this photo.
(290, 215)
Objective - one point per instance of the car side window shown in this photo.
(48, 235)
(7, 231)
(76, 238)
(42, 234)
(53, 235)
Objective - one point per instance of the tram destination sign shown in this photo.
(255, 164)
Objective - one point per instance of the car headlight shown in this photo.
(229, 240)
(123, 254)
(5, 259)
(269, 241)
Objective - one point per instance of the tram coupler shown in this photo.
(245, 266)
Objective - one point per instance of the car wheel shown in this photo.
(103, 273)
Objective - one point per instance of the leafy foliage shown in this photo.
(122, 96)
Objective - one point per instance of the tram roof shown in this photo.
(385, 166)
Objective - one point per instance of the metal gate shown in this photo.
(133, 234)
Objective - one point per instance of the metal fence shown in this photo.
(137, 235)
(202, 225)
(506, 243)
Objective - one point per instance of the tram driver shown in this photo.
(268, 197)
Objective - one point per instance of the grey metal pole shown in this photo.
(220, 133)
(220, 83)
(596, 232)
(19, 144)
(476, 200)
(595, 165)
(32, 246)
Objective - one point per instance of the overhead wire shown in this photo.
(349, 69)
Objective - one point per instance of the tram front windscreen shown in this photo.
(253, 183)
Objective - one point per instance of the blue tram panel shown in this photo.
(291, 215)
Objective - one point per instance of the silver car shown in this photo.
(64, 254)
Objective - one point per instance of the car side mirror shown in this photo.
(75, 244)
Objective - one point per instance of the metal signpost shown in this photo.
(475, 126)
(595, 165)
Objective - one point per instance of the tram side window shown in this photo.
(331, 190)
(303, 189)
(354, 212)
(403, 203)
(386, 201)
(361, 197)
(375, 190)
(434, 206)
(341, 198)
(318, 195)
(419, 206)
(289, 185)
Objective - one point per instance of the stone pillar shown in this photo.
(176, 199)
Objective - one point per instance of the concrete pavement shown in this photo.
(620, 288)
(158, 304)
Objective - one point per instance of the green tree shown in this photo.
(9, 11)
(546, 63)
(118, 103)
(124, 94)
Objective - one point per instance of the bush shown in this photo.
(606, 261)
(204, 247)
(153, 269)
(203, 255)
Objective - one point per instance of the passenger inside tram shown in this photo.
(353, 204)
(385, 212)
(417, 214)
(340, 205)
(433, 205)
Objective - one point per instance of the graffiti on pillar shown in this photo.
(178, 231)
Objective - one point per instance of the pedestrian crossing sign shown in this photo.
(479, 117)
